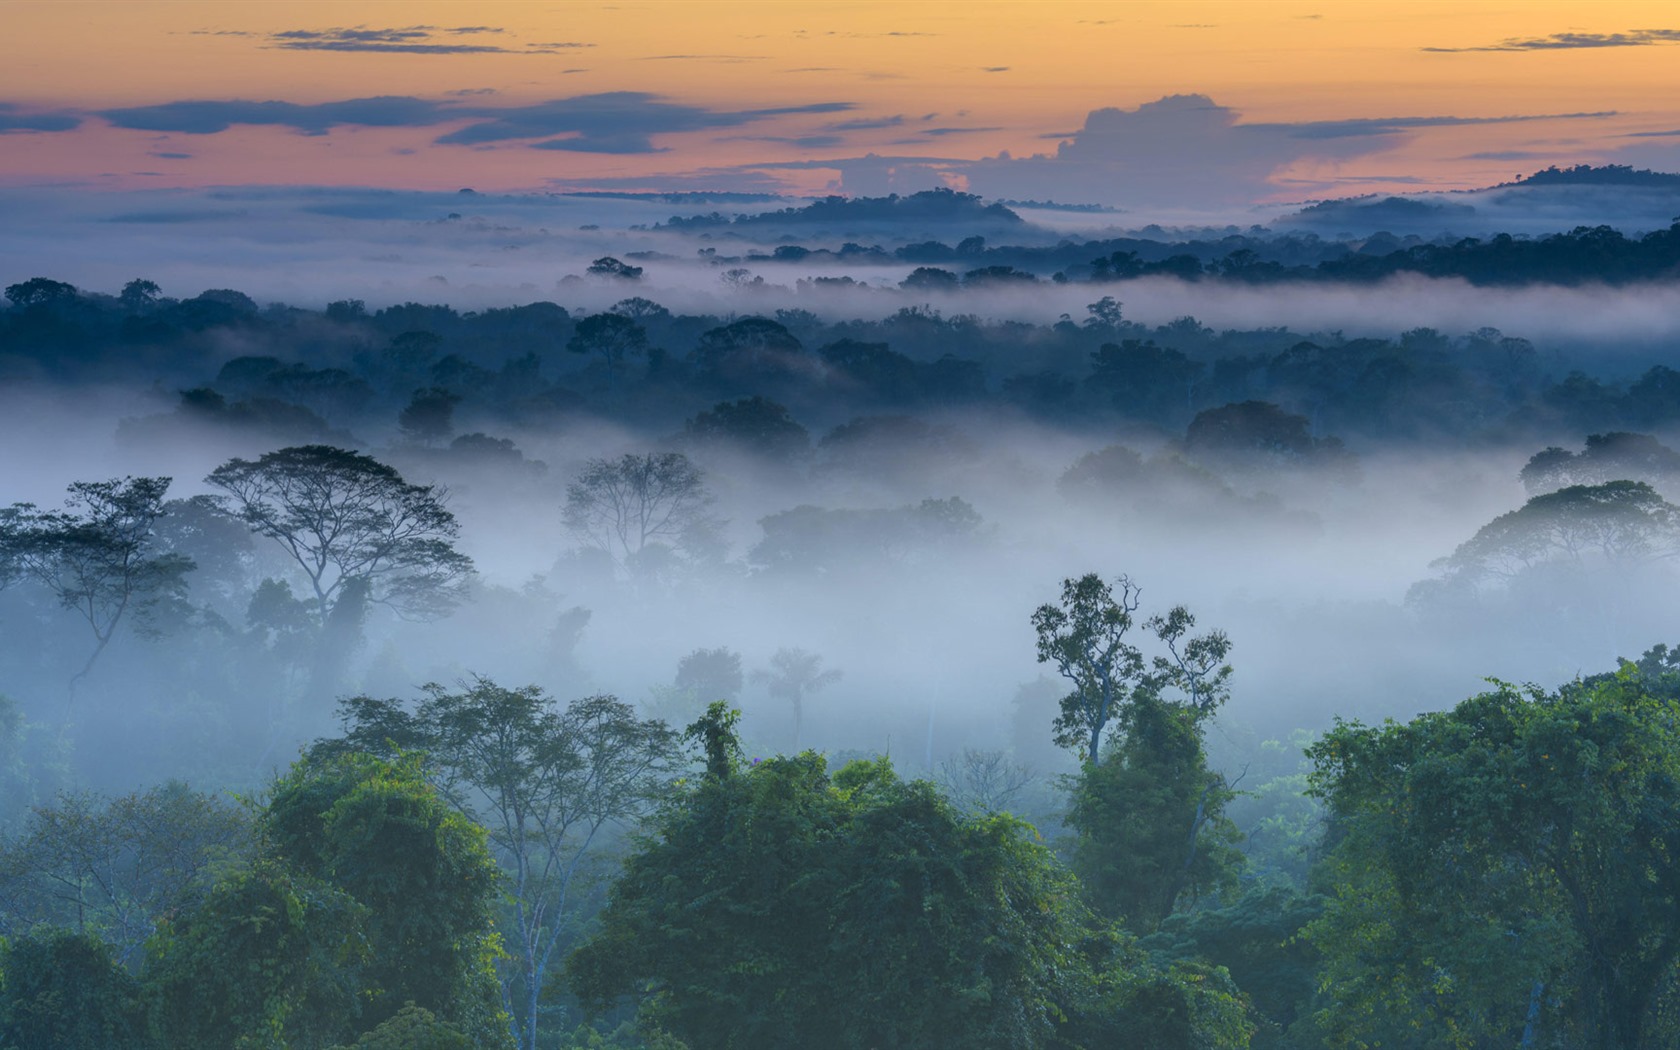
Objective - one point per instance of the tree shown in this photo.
(1146, 381)
(638, 308)
(1607, 457)
(1621, 523)
(610, 336)
(271, 959)
(413, 1028)
(63, 991)
(354, 527)
(1149, 813)
(98, 554)
(139, 294)
(782, 906)
(1150, 818)
(112, 868)
(626, 507)
(930, 279)
(607, 266)
(1515, 863)
(754, 424)
(1257, 432)
(380, 833)
(793, 675)
(429, 417)
(40, 292)
(1085, 638)
(984, 781)
(549, 784)
(710, 674)
(751, 350)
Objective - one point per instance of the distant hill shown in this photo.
(1605, 175)
(1383, 213)
(942, 207)
(1552, 200)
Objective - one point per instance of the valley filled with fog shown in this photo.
(879, 392)
(820, 459)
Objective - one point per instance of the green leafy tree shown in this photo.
(1511, 864)
(1084, 637)
(1150, 817)
(1148, 810)
(551, 784)
(380, 833)
(112, 868)
(272, 960)
(413, 1028)
(63, 991)
(780, 906)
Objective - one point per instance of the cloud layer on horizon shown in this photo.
(607, 122)
(1181, 149)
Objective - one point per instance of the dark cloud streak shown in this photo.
(408, 40)
(13, 119)
(1573, 41)
(608, 122)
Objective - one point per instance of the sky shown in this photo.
(1122, 104)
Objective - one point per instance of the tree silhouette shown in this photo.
(793, 675)
(353, 526)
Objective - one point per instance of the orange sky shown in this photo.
(963, 80)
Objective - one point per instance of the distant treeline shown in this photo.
(1585, 255)
(308, 375)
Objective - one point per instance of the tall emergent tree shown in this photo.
(549, 783)
(1510, 869)
(1149, 811)
(98, 555)
(355, 528)
(1085, 638)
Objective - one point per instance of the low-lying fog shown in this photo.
(309, 247)
(1307, 569)
(933, 639)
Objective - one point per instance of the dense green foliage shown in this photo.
(780, 906)
(63, 991)
(381, 834)
(1511, 863)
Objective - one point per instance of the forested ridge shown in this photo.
(284, 762)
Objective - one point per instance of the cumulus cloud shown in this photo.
(1189, 149)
